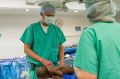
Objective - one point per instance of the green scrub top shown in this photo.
(43, 44)
(98, 51)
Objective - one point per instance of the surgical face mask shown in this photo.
(49, 20)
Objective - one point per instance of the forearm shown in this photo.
(32, 54)
(61, 53)
(84, 75)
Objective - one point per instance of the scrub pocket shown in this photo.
(55, 43)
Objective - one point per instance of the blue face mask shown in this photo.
(49, 20)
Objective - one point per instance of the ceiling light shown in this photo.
(27, 10)
(76, 11)
(75, 5)
(61, 0)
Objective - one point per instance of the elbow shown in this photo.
(26, 48)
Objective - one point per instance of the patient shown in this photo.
(53, 72)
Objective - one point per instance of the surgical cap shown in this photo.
(100, 10)
(47, 8)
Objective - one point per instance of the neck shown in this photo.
(43, 23)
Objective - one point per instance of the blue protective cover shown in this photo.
(13, 68)
(20, 65)
(6, 69)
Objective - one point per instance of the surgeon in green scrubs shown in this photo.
(98, 52)
(43, 42)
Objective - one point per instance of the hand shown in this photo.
(47, 63)
(61, 64)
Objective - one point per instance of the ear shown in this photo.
(42, 17)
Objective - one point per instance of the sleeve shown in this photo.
(27, 36)
(62, 38)
(86, 55)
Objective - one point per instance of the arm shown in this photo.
(29, 52)
(86, 59)
(61, 55)
(84, 75)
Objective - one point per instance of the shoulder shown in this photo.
(94, 31)
(33, 25)
(89, 33)
(94, 27)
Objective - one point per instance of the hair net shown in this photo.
(100, 10)
(47, 8)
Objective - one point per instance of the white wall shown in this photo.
(70, 22)
(12, 26)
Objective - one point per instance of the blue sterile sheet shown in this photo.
(70, 50)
